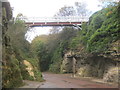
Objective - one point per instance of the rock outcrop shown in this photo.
(101, 65)
(67, 64)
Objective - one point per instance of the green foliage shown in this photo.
(55, 67)
(50, 49)
(10, 65)
(36, 70)
(15, 50)
(56, 60)
(103, 29)
(11, 71)
(44, 57)
(24, 72)
(74, 43)
(17, 37)
(96, 35)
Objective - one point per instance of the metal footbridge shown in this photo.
(55, 21)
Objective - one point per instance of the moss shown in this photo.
(38, 75)
(11, 73)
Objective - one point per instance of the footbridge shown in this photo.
(55, 21)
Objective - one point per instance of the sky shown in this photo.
(44, 8)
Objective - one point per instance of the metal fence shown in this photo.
(55, 19)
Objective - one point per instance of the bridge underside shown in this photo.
(40, 24)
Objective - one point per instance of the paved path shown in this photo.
(65, 81)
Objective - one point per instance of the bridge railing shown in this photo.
(55, 19)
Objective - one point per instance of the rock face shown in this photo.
(29, 68)
(30, 71)
(101, 65)
(95, 67)
(67, 63)
(112, 75)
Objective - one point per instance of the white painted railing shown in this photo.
(55, 19)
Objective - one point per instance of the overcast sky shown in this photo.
(44, 8)
(41, 8)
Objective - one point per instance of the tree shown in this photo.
(18, 39)
(81, 9)
(105, 3)
(66, 11)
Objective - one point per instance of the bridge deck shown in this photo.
(54, 21)
(36, 24)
